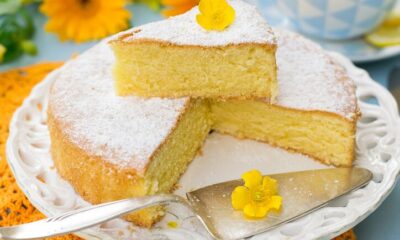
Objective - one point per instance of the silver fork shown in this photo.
(302, 193)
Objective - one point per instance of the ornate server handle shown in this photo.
(85, 217)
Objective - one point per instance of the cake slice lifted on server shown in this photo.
(177, 57)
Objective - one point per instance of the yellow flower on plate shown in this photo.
(258, 196)
(85, 20)
(215, 14)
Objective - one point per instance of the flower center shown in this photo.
(217, 17)
(259, 196)
(84, 2)
(88, 8)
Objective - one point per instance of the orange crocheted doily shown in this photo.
(15, 85)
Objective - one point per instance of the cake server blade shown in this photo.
(302, 193)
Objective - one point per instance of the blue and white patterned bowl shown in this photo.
(335, 19)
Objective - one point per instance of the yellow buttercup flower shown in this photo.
(258, 196)
(85, 20)
(215, 14)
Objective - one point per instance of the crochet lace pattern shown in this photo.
(15, 85)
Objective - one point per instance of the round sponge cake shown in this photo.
(110, 147)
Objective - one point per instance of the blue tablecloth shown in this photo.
(384, 223)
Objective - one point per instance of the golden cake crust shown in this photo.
(93, 178)
(96, 179)
(121, 39)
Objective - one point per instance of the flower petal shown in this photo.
(230, 15)
(270, 186)
(205, 6)
(71, 20)
(255, 210)
(275, 203)
(204, 22)
(252, 178)
(215, 14)
(240, 197)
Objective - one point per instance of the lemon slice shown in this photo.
(393, 19)
(388, 34)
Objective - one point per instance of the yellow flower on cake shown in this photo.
(215, 14)
(85, 20)
(258, 196)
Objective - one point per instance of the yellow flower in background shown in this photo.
(215, 14)
(85, 20)
(176, 7)
(2, 52)
(258, 196)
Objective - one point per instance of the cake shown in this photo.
(315, 112)
(110, 147)
(176, 57)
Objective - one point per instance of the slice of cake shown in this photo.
(110, 147)
(177, 57)
(315, 112)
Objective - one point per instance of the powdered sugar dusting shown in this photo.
(249, 26)
(127, 130)
(122, 130)
(310, 79)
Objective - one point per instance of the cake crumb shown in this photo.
(172, 224)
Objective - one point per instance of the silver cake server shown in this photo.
(302, 192)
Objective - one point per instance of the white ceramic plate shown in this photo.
(357, 49)
(224, 158)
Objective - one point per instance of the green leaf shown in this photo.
(9, 6)
(14, 30)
